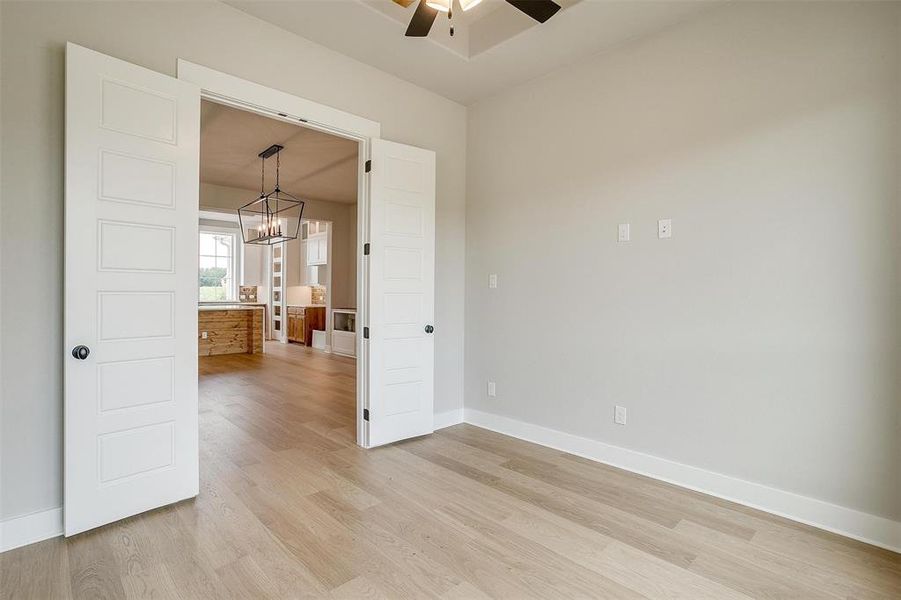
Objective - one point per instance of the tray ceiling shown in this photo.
(495, 45)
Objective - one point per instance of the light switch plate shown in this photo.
(665, 228)
(622, 234)
(492, 280)
(619, 415)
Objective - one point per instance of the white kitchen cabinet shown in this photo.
(317, 249)
(314, 227)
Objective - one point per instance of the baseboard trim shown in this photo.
(871, 529)
(448, 418)
(30, 528)
(847, 522)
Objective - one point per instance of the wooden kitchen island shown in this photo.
(230, 329)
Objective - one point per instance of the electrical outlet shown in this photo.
(492, 281)
(665, 228)
(622, 234)
(492, 390)
(619, 415)
(204, 335)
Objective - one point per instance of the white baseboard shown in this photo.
(31, 528)
(448, 418)
(861, 526)
(885, 533)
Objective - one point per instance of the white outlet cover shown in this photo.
(619, 415)
(622, 234)
(492, 280)
(665, 228)
(492, 390)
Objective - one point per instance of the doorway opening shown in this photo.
(276, 323)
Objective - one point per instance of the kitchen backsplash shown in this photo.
(247, 293)
(317, 294)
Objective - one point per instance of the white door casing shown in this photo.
(131, 235)
(401, 292)
(276, 104)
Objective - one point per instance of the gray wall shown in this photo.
(762, 340)
(155, 35)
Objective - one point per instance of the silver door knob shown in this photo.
(429, 329)
(81, 352)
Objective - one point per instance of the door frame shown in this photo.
(229, 90)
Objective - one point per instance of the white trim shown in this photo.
(237, 257)
(448, 418)
(857, 525)
(241, 93)
(247, 95)
(854, 524)
(31, 528)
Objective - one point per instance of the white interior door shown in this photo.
(401, 293)
(132, 178)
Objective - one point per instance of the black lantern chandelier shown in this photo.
(272, 218)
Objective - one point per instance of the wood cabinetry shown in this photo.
(302, 320)
(295, 329)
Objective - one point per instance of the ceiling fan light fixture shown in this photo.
(427, 10)
(442, 5)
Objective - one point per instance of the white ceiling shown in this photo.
(495, 46)
(314, 165)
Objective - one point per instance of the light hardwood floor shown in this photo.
(290, 508)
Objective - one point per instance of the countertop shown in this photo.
(305, 305)
(229, 303)
(231, 307)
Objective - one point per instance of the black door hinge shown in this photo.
(368, 166)
(365, 333)
(366, 249)
(365, 414)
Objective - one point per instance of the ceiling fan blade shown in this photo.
(540, 10)
(404, 3)
(422, 20)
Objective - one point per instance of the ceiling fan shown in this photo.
(427, 11)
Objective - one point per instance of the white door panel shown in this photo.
(132, 173)
(402, 292)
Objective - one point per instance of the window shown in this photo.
(218, 266)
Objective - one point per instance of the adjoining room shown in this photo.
(277, 280)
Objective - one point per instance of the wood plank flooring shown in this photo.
(290, 508)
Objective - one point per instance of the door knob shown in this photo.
(81, 352)
(429, 329)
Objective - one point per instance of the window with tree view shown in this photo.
(217, 266)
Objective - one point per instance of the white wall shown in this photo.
(155, 35)
(762, 340)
